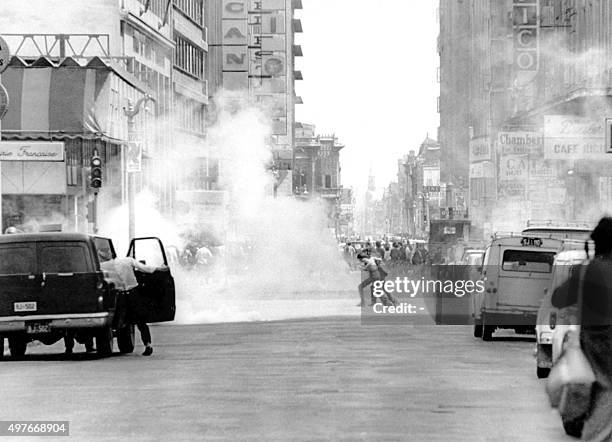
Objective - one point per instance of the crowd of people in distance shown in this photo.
(390, 252)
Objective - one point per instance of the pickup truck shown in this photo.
(52, 285)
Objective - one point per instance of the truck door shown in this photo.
(19, 285)
(524, 275)
(68, 277)
(156, 293)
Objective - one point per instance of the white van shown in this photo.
(516, 270)
(551, 320)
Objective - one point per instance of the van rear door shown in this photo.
(524, 274)
(68, 277)
(19, 285)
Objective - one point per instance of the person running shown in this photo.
(372, 265)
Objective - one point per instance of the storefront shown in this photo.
(59, 115)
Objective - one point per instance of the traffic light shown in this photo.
(96, 171)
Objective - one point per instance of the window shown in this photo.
(188, 58)
(17, 259)
(191, 115)
(192, 9)
(528, 261)
(157, 7)
(328, 181)
(63, 258)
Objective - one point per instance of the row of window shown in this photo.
(192, 9)
(157, 7)
(147, 48)
(188, 57)
(190, 115)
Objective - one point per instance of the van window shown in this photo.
(64, 258)
(17, 259)
(528, 261)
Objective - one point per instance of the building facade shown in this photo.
(159, 48)
(252, 61)
(539, 92)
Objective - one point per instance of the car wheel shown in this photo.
(543, 372)
(487, 330)
(126, 338)
(104, 341)
(478, 330)
(17, 346)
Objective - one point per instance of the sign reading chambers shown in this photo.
(31, 151)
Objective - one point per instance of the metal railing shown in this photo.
(59, 45)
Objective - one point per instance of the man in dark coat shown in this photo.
(596, 327)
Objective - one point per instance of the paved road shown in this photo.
(301, 379)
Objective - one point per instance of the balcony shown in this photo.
(297, 75)
(297, 25)
(297, 51)
(133, 11)
(190, 87)
(188, 29)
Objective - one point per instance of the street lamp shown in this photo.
(131, 111)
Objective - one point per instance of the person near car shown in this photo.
(596, 327)
(124, 270)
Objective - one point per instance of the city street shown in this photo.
(327, 378)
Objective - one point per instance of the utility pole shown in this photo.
(133, 160)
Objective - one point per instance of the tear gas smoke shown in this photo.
(273, 258)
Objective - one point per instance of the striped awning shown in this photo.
(57, 101)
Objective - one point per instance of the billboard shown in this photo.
(574, 138)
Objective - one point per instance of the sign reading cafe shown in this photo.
(31, 151)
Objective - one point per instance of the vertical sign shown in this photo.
(608, 127)
(526, 17)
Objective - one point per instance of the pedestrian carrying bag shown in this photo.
(570, 382)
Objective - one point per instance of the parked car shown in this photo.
(516, 270)
(52, 284)
(552, 321)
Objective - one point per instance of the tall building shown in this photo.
(532, 114)
(156, 49)
(252, 58)
(317, 170)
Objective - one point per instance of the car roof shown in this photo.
(570, 256)
(39, 237)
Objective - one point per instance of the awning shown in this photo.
(63, 101)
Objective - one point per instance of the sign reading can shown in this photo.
(31, 151)
(25, 307)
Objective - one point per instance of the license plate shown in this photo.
(38, 328)
(25, 307)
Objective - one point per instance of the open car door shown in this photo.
(156, 298)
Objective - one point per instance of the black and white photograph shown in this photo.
(309, 220)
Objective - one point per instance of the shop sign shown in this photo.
(480, 149)
(31, 151)
(574, 138)
(521, 143)
(514, 168)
